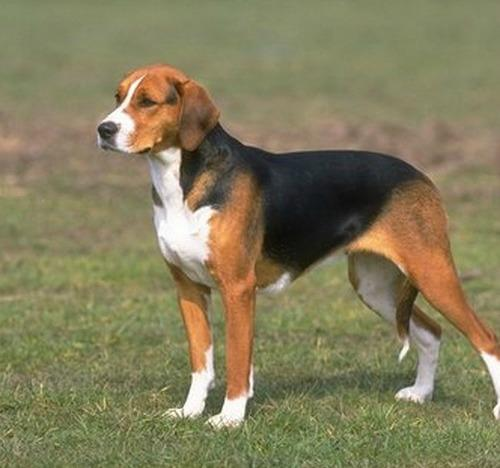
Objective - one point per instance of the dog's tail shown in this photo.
(404, 349)
(404, 309)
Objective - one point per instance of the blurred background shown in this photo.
(91, 346)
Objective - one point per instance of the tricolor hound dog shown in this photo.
(241, 219)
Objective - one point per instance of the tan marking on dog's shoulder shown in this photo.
(201, 186)
(236, 231)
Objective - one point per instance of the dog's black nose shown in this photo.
(107, 129)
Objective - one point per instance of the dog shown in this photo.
(243, 220)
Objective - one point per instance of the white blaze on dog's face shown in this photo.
(116, 129)
(158, 107)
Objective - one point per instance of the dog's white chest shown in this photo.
(183, 239)
(182, 234)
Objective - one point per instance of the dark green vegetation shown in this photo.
(92, 349)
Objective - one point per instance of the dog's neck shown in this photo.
(174, 170)
(165, 170)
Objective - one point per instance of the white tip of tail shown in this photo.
(404, 349)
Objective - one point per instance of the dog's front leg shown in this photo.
(194, 302)
(239, 307)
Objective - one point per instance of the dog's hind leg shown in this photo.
(412, 233)
(384, 288)
(441, 287)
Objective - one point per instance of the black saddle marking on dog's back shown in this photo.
(314, 202)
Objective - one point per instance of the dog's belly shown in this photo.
(183, 240)
(277, 286)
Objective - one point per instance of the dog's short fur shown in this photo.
(242, 220)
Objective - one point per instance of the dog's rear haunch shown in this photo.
(242, 220)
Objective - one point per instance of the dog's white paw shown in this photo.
(496, 411)
(232, 413)
(221, 421)
(414, 394)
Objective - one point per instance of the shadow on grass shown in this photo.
(379, 384)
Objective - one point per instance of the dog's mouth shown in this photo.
(107, 146)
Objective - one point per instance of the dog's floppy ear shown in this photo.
(199, 114)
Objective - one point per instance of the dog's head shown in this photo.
(158, 107)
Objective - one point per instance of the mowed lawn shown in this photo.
(92, 348)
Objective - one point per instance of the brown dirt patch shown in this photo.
(433, 146)
(30, 154)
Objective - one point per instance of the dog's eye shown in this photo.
(117, 98)
(146, 102)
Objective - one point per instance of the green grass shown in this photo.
(92, 349)
(389, 60)
(93, 352)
